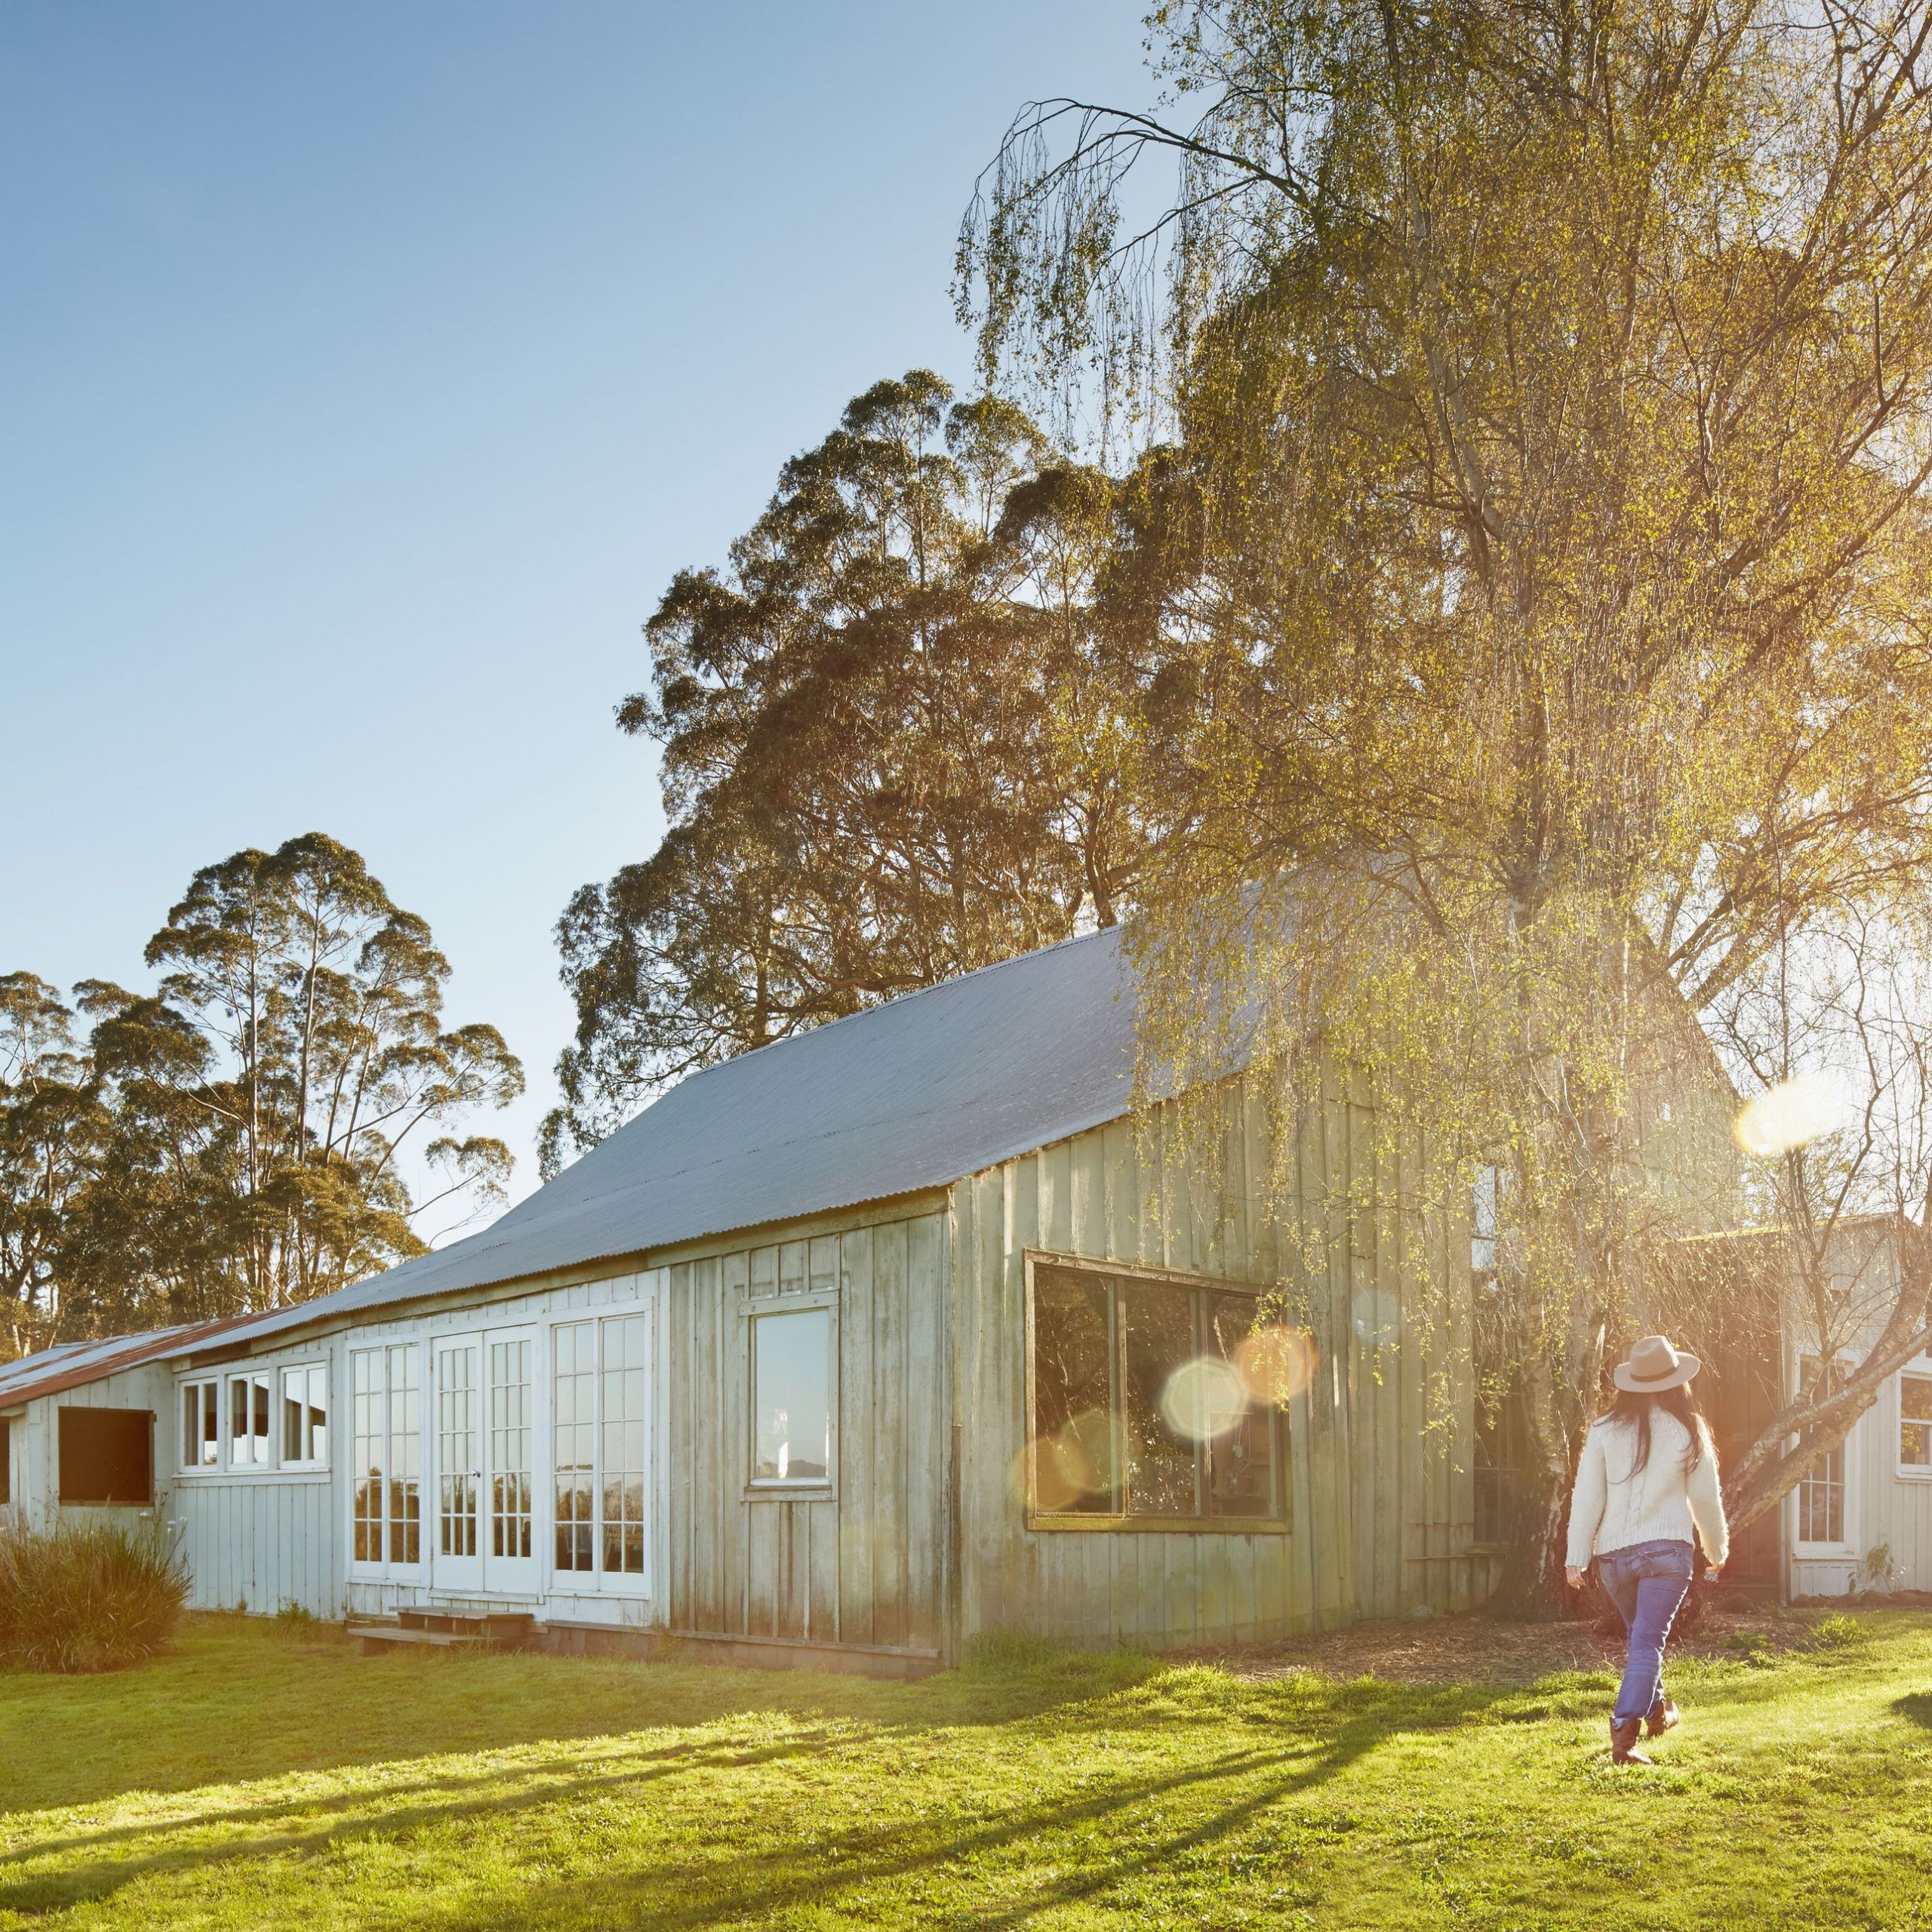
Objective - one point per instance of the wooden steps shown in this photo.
(446, 1630)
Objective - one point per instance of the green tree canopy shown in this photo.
(234, 1140)
(1534, 592)
(892, 750)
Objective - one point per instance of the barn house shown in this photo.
(846, 1350)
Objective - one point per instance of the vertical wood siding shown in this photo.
(1381, 1499)
(864, 1565)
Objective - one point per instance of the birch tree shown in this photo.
(1533, 607)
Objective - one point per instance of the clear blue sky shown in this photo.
(365, 372)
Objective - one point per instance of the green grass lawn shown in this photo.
(262, 1776)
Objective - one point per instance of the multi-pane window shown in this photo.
(599, 1441)
(792, 1396)
(385, 1395)
(458, 1451)
(574, 1439)
(1821, 1489)
(1916, 1422)
(249, 1398)
(201, 1425)
(1142, 1405)
(304, 1416)
(622, 1447)
(510, 1438)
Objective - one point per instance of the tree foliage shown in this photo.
(233, 1141)
(892, 750)
(1536, 595)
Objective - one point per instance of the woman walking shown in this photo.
(1647, 1478)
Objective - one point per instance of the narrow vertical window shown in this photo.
(1915, 1423)
(573, 1439)
(1821, 1489)
(510, 1437)
(305, 1443)
(1076, 1452)
(201, 1425)
(385, 1426)
(368, 1404)
(250, 1443)
(792, 1396)
(405, 1455)
(624, 1393)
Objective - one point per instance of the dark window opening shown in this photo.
(1150, 1402)
(6, 1462)
(106, 1456)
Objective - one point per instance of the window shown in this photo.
(1916, 1419)
(792, 1396)
(1485, 1200)
(201, 1425)
(574, 1439)
(304, 1416)
(6, 1461)
(249, 1399)
(385, 1423)
(598, 1370)
(1821, 1489)
(1142, 1405)
(106, 1456)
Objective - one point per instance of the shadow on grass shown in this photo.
(1328, 1729)
(1916, 1707)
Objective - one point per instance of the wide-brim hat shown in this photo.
(1653, 1367)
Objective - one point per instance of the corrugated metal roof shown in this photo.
(918, 1092)
(73, 1365)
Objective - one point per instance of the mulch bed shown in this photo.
(1486, 1650)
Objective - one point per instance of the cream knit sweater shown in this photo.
(1611, 1509)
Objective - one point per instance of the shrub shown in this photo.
(1838, 1633)
(96, 1598)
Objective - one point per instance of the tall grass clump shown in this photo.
(93, 1598)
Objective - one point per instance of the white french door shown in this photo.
(486, 1536)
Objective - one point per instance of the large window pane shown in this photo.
(1240, 1439)
(792, 1396)
(1075, 1434)
(1157, 1338)
(249, 1401)
(366, 1405)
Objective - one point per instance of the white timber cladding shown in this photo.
(34, 1440)
(337, 1505)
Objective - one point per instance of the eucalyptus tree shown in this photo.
(891, 750)
(50, 1131)
(238, 1139)
(1532, 595)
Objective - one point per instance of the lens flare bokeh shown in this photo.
(1792, 1114)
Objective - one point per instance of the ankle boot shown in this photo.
(1663, 1717)
(1623, 1743)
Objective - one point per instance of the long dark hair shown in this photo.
(1636, 1410)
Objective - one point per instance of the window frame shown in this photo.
(386, 1564)
(1123, 1522)
(1803, 1548)
(599, 1578)
(207, 1391)
(769, 1489)
(306, 1368)
(1919, 1369)
(248, 1381)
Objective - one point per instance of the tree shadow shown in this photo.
(1329, 1727)
(1915, 1707)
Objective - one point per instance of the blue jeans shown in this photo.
(1648, 1582)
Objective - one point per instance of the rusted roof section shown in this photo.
(73, 1365)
